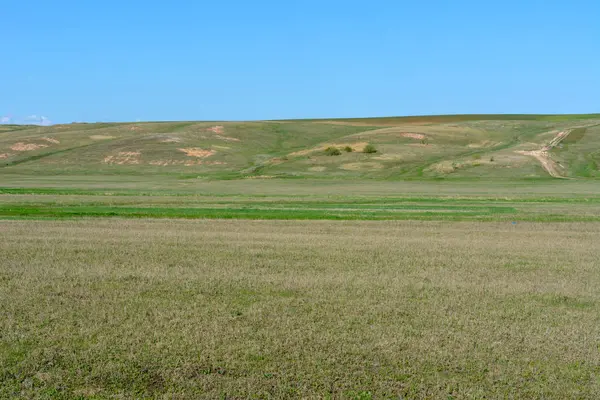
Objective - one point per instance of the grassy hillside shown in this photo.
(456, 146)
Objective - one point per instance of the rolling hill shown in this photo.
(434, 147)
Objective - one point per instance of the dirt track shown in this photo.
(543, 156)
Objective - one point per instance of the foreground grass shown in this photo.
(270, 309)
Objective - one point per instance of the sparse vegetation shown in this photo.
(348, 149)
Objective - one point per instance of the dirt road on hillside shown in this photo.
(543, 155)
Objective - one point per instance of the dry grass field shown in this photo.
(174, 309)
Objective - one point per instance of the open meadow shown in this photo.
(282, 259)
(95, 308)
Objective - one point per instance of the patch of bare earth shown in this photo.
(276, 161)
(359, 166)
(219, 129)
(171, 140)
(51, 140)
(417, 136)
(187, 163)
(5, 155)
(444, 167)
(227, 138)
(27, 146)
(388, 157)
(124, 157)
(197, 152)
(101, 137)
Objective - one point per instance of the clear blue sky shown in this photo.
(235, 60)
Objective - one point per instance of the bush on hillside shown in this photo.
(369, 149)
(348, 149)
(332, 151)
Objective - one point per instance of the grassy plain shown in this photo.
(94, 308)
(238, 260)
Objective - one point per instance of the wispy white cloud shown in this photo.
(37, 120)
(5, 120)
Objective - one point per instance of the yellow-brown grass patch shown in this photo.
(124, 157)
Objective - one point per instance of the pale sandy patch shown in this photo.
(358, 166)
(219, 129)
(227, 138)
(388, 157)
(417, 136)
(197, 152)
(317, 169)
(101, 137)
(187, 163)
(171, 140)
(444, 167)
(51, 140)
(4, 155)
(27, 146)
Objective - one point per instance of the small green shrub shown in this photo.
(332, 151)
(369, 149)
(348, 149)
(491, 159)
(476, 157)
